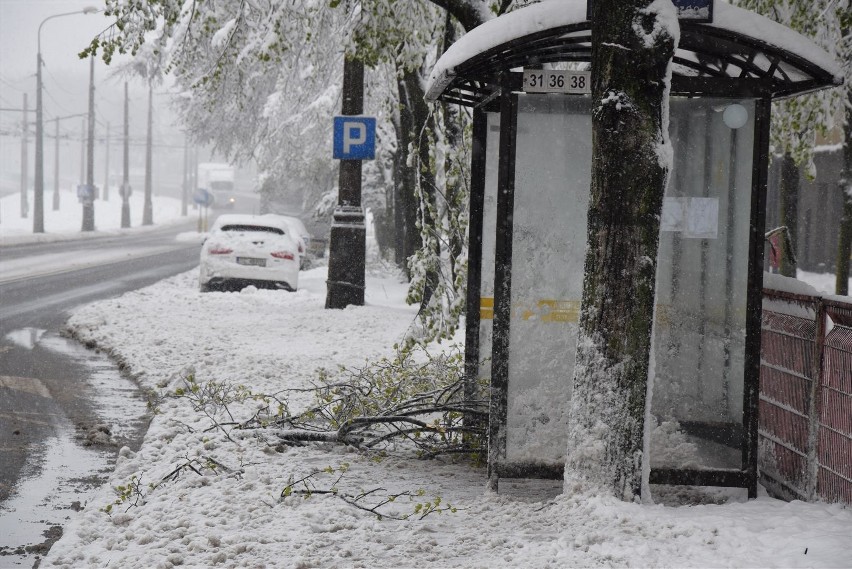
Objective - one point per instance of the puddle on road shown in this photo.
(117, 400)
(26, 338)
(63, 472)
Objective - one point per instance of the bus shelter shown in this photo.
(524, 76)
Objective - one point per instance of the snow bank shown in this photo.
(65, 223)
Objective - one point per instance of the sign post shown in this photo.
(354, 141)
(203, 198)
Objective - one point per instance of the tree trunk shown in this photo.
(415, 125)
(844, 245)
(399, 159)
(468, 14)
(454, 194)
(630, 88)
(425, 196)
(789, 204)
(408, 174)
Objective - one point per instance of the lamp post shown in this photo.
(125, 180)
(38, 197)
(89, 193)
(147, 208)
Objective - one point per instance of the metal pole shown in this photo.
(25, 206)
(39, 184)
(147, 211)
(474, 275)
(347, 248)
(754, 291)
(89, 196)
(82, 152)
(499, 402)
(125, 180)
(38, 189)
(56, 169)
(106, 165)
(185, 187)
(193, 173)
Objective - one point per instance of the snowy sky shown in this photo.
(65, 77)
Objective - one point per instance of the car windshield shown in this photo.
(257, 228)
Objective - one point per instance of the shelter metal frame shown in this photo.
(710, 61)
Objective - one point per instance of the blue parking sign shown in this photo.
(354, 138)
(202, 197)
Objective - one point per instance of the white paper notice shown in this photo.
(696, 218)
(702, 218)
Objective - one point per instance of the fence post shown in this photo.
(815, 407)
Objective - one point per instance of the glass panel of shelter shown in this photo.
(489, 232)
(552, 176)
(701, 278)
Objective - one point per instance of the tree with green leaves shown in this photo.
(259, 78)
(797, 122)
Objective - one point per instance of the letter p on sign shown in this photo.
(354, 138)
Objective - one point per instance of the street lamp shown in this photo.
(38, 198)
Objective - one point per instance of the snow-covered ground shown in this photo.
(234, 516)
(65, 223)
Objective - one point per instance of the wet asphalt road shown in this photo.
(52, 390)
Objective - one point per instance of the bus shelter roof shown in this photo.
(738, 53)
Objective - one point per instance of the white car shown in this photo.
(244, 250)
(299, 231)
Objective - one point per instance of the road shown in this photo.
(64, 410)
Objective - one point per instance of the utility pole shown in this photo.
(82, 152)
(56, 160)
(185, 188)
(56, 168)
(89, 193)
(106, 165)
(347, 254)
(25, 206)
(193, 173)
(38, 187)
(125, 179)
(147, 211)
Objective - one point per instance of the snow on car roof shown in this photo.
(247, 219)
(294, 222)
(552, 14)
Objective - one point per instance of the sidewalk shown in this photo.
(229, 513)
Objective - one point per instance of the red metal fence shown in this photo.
(806, 397)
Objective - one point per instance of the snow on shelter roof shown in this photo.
(740, 53)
